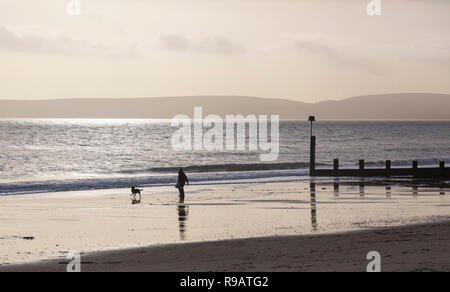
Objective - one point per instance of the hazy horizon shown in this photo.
(225, 95)
(385, 107)
(300, 50)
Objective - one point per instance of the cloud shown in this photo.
(172, 42)
(334, 49)
(427, 47)
(331, 54)
(211, 45)
(430, 46)
(61, 45)
(322, 45)
(318, 49)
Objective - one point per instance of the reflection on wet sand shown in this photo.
(415, 191)
(336, 189)
(313, 207)
(388, 191)
(247, 210)
(412, 187)
(183, 212)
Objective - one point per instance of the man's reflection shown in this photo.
(183, 212)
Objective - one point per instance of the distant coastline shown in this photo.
(395, 107)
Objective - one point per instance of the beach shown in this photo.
(258, 225)
(417, 248)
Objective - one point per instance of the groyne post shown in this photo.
(388, 164)
(312, 161)
(361, 164)
(336, 166)
(312, 153)
(415, 166)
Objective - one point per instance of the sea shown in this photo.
(57, 155)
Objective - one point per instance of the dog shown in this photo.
(134, 193)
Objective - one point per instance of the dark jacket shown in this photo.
(182, 179)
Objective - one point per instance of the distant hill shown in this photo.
(392, 106)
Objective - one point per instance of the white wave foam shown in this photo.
(50, 186)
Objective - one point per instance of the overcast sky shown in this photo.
(306, 50)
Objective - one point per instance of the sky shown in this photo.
(305, 50)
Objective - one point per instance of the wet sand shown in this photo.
(277, 218)
(416, 248)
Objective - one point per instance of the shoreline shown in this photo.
(416, 247)
(288, 178)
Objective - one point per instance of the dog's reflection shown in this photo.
(183, 213)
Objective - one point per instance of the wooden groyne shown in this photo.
(414, 171)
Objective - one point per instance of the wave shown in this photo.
(225, 168)
(200, 174)
(50, 186)
(279, 166)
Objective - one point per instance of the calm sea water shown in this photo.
(61, 155)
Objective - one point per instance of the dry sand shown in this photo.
(410, 248)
